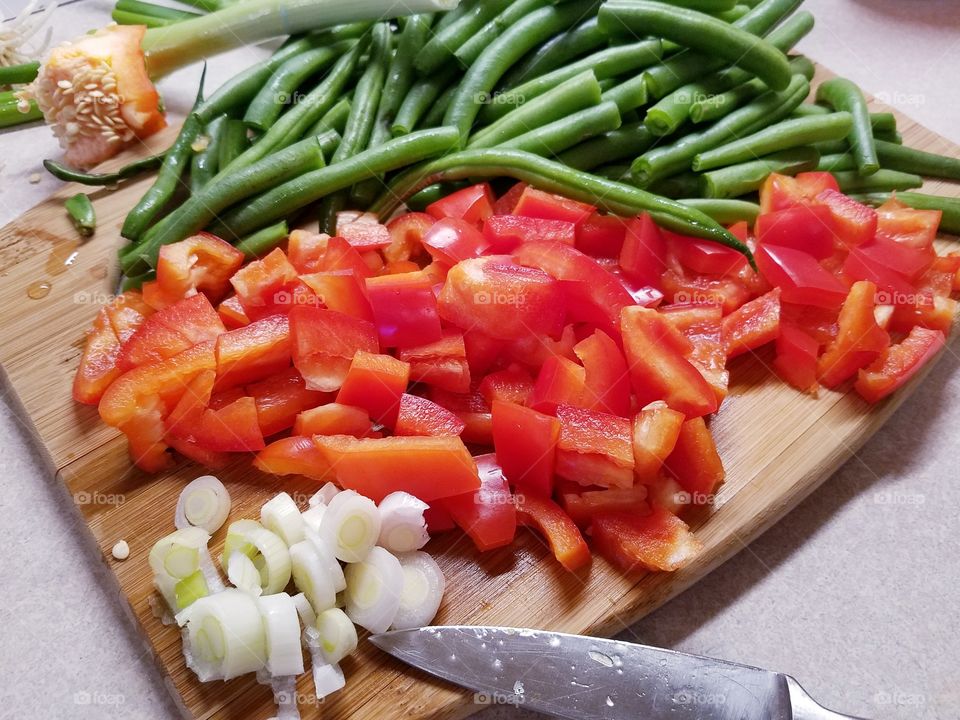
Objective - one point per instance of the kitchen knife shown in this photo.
(585, 678)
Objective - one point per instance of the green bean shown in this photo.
(329, 141)
(292, 126)
(81, 212)
(204, 164)
(707, 6)
(725, 212)
(688, 65)
(421, 98)
(452, 16)
(881, 181)
(282, 201)
(736, 180)
(733, 14)
(551, 176)
(627, 142)
(434, 118)
(439, 50)
(607, 63)
(433, 193)
(468, 53)
(554, 53)
(894, 137)
(575, 94)
(782, 136)
(500, 55)
(842, 94)
(553, 138)
(234, 141)
(909, 160)
(176, 160)
(363, 111)
(263, 241)
(19, 74)
(131, 170)
(280, 89)
(949, 206)
(628, 95)
(242, 87)
(619, 173)
(769, 108)
(880, 121)
(676, 186)
(334, 119)
(672, 110)
(330, 207)
(400, 75)
(836, 162)
(704, 33)
(200, 209)
(156, 11)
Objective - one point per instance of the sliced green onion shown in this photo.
(350, 526)
(266, 549)
(373, 591)
(243, 574)
(281, 625)
(324, 495)
(327, 679)
(330, 563)
(312, 577)
(307, 615)
(282, 516)
(336, 635)
(203, 503)
(224, 636)
(402, 527)
(190, 589)
(313, 517)
(423, 586)
(237, 540)
(176, 561)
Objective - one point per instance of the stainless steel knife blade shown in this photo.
(581, 678)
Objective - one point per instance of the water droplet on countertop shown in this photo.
(38, 290)
(599, 657)
(609, 701)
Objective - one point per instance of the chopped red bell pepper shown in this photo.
(526, 442)
(419, 416)
(560, 382)
(342, 291)
(406, 233)
(583, 507)
(333, 419)
(933, 313)
(232, 427)
(561, 533)
(705, 257)
(294, 456)
(363, 231)
(442, 364)
(594, 448)
(802, 227)
(98, 364)
(644, 250)
(473, 204)
(513, 385)
(232, 314)
(324, 343)
(780, 192)
(539, 204)
(656, 429)
(752, 325)
(281, 399)
(907, 226)
(201, 263)
(695, 462)
(601, 236)
(796, 360)
(859, 341)
(264, 286)
(658, 541)
(606, 377)
(505, 233)
(426, 467)
(800, 277)
(404, 310)
(702, 326)
(451, 240)
(254, 352)
(898, 364)
(487, 515)
(375, 383)
(507, 203)
(854, 223)
(472, 409)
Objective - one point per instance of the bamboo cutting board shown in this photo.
(777, 445)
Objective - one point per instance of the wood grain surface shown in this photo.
(777, 446)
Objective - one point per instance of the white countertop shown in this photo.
(854, 593)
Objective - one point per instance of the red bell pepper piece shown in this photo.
(799, 276)
(796, 360)
(472, 409)
(658, 541)
(375, 383)
(280, 399)
(561, 533)
(254, 352)
(232, 427)
(451, 240)
(201, 263)
(507, 203)
(404, 309)
(780, 192)
(426, 467)
(526, 442)
(232, 314)
(438, 519)
(419, 416)
(894, 287)
(263, 286)
(658, 369)
(903, 224)
(859, 341)
(342, 291)
(362, 231)
(695, 462)
(504, 233)
(502, 299)
(802, 227)
(583, 507)
(705, 257)
(753, 325)
(594, 448)
(513, 385)
(98, 364)
(642, 257)
(702, 326)
(488, 515)
(406, 234)
(333, 419)
(898, 364)
(171, 331)
(606, 377)
(473, 204)
(294, 456)
(933, 313)
(560, 382)
(601, 236)
(324, 343)
(681, 288)
(442, 364)
(538, 204)
(854, 223)
(656, 430)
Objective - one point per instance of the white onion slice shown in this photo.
(402, 527)
(243, 574)
(265, 549)
(329, 561)
(373, 591)
(423, 586)
(327, 679)
(336, 635)
(350, 526)
(224, 636)
(324, 495)
(282, 516)
(281, 625)
(313, 516)
(312, 577)
(203, 503)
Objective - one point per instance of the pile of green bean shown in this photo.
(680, 108)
